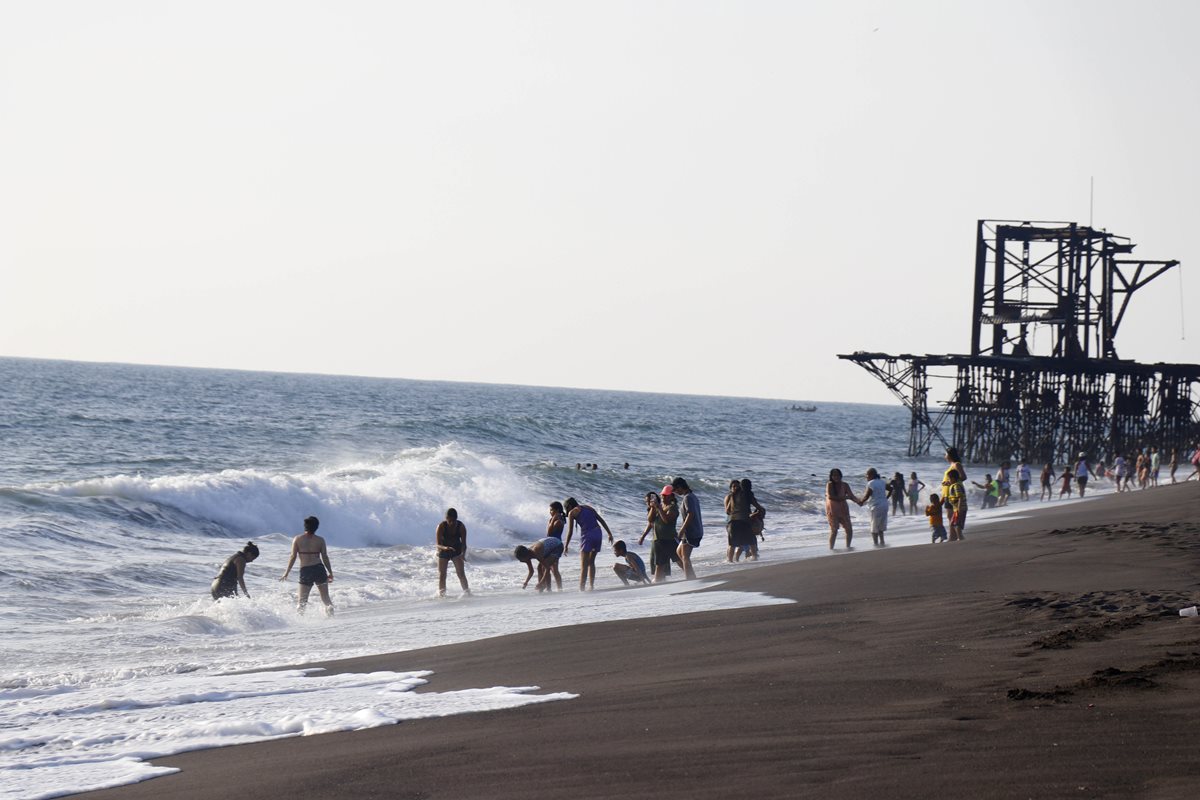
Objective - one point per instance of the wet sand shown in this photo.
(1044, 657)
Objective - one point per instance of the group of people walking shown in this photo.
(675, 524)
(881, 495)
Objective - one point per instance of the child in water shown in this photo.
(634, 569)
(934, 512)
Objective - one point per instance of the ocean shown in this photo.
(123, 488)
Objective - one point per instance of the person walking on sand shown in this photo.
(451, 538)
(590, 522)
(1065, 487)
(1047, 483)
(691, 530)
(232, 574)
(1155, 465)
(1174, 465)
(877, 493)
(837, 510)
(546, 552)
(315, 568)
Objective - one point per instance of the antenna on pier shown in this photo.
(1091, 199)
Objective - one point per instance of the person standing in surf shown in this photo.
(451, 537)
(315, 569)
(232, 574)
(877, 493)
(837, 510)
(955, 462)
(590, 522)
(737, 526)
(691, 531)
(662, 515)
(558, 520)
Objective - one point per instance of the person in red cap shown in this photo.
(662, 516)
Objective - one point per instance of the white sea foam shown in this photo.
(93, 727)
(398, 501)
(99, 737)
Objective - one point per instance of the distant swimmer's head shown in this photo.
(522, 553)
(570, 503)
(451, 514)
(680, 485)
(311, 524)
(250, 551)
(952, 454)
(734, 486)
(835, 475)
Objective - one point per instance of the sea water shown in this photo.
(123, 488)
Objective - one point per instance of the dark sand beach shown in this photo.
(1044, 657)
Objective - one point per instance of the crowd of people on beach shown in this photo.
(674, 522)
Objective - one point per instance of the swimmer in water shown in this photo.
(232, 574)
(315, 568)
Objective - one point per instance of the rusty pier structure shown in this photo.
(1043, 380)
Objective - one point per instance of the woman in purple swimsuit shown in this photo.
(590, 522)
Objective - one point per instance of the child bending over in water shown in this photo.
(546, 553)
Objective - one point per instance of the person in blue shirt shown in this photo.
(634, 569)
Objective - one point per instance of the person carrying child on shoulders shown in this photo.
(934, 512)
(634, 569)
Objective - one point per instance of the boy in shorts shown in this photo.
(934, 512)
(634, 569)
(956, 499)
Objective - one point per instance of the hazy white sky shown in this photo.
(708, 197)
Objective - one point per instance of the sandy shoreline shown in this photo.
(1041, 658)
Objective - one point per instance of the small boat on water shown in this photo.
(795, 407)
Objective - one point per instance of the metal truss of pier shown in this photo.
(1043, 379)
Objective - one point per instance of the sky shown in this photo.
(697, 197)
